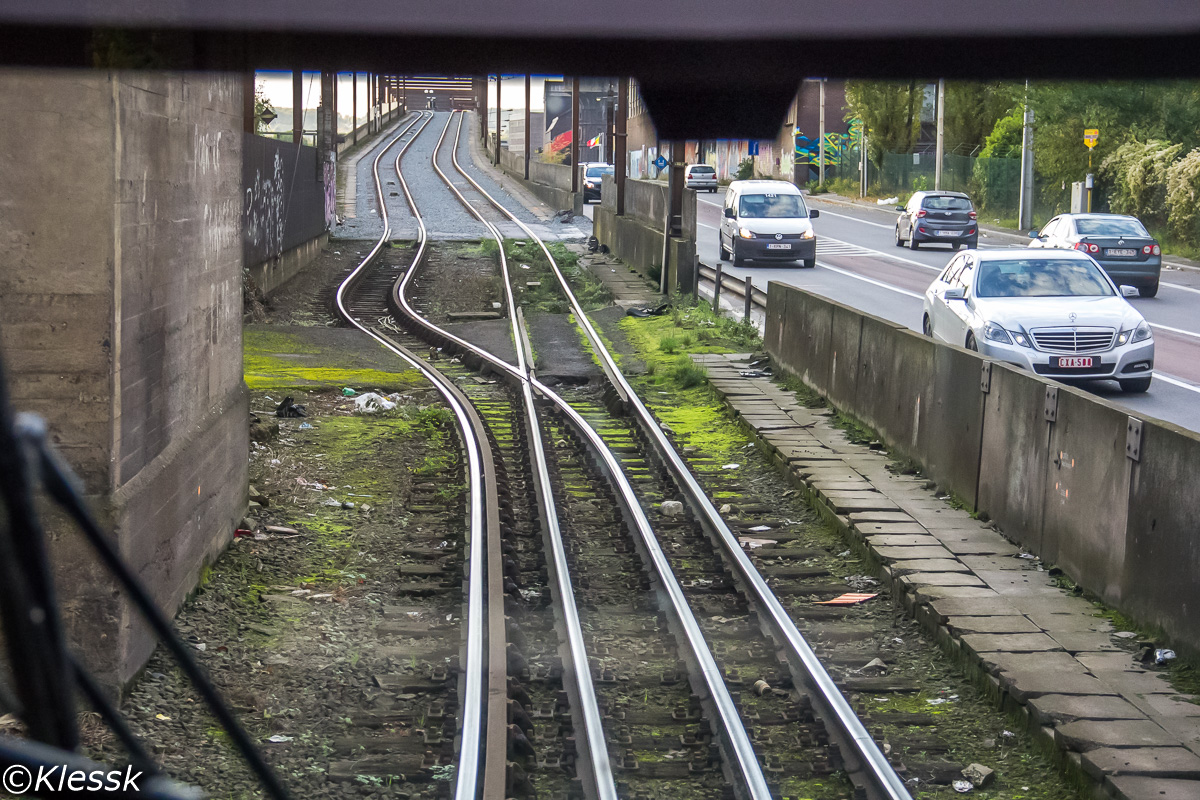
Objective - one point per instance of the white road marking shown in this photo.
(856, 219)
(872, 281)
(1180, 331)
(1181, 287)
(710, 227)
(882, 254)
(1176, 382)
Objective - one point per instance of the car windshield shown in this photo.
(596, 172)
(703, 170)
(771, 205)
(1037, 277)
(947, 203)
(1101, 226)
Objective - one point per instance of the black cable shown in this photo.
(95, 695)
(62, 485)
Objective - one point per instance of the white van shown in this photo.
(767, 221)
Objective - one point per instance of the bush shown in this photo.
(668, 344)
(745, 170)
(1137, 175)
(1183, 197)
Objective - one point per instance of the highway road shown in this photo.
(859, 265)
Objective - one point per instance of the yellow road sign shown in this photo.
(1091, 136)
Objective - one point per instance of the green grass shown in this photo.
(588, 289)
(273, 360)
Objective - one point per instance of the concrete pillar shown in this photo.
(354, 102)
(248, 102)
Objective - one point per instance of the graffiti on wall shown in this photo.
(264, 211)
(808, 149)
(329, 176)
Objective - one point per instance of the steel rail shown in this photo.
(731, 729)
(482, 502)
(600, 775)
(880, 778)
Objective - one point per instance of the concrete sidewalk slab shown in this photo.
(1044, 651)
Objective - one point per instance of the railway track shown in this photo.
(620, 684)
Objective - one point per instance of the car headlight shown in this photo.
(1020, 338)
(1139, 334)
(996, 333)
(809, 234)
(745, 233)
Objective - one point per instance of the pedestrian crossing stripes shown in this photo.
(826, 247)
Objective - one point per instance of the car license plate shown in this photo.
(784, 246)
(1118, 252)
(1074, 361)
(947, 233)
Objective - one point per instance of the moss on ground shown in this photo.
(274, 360)
(588, 289)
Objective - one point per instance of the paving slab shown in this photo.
(947, 607)
(1052, 622)
(1159, 706)
(910, 553)
(881, 516)
(1162, 762)
(1084, 641)
(1130, 682)
(872, 528)
(1023, 686)
(1186, 729)
(1088, 734)
(902, 540)
(992, 624)
(1008, 582)
(823, 486)
(933, 516)
(978, 562)
(1010, 642)
(1055, 709)
(943, 579)
(929, 593)
(928, 565)
(1054, 661)
(1138, 787)
(1052, 604)
(1110, 662)
(844, 505)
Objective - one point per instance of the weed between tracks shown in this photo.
(938, 717)
(546, 295)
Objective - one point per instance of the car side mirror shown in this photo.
(1034, 235)
(813, 214)
(900, 208)
(1130, 291)
(729, 213)
(954, 293)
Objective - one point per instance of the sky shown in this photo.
(278, 89)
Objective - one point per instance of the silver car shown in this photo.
(1054, 313)
(700, 177)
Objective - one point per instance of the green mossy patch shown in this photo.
(274, 360)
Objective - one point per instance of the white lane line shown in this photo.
(882, 254)
(710, 202)
(1180, 331)
(710, 227)
(871, 281)
(856, 219)
(1181, 287)
(1176, 382)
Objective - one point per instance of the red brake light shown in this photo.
(973, 215)
(1146, 249)
(1081, 246)
(1093, 248)
(921, 213)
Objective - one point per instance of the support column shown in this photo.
(620, 156)
(821, 162)
(575, 134)
(354, 112)
(673, 225)
(941, 133)
(298, 106)
(248, 102)
(528, 133)
(499, 83)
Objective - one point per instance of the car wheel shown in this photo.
(899, 241)
(1148, 291)
(912, 241)
(927, 327)
(724, 253)
(1135, 385)
(973, 244)
(810, 263)
(738, 261)
(971, 343)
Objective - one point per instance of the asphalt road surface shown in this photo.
(859, 265)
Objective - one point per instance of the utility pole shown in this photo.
(298, 106)
(574, 135)
(354, 106)
(941, 133)
(499, 83)
(673, 225)
(866, 162)
(528, 148)
(620, 159)
(1025, 203)
(821, 161)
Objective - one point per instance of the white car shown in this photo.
(764, 220)
(700, 177)
(1054, 313)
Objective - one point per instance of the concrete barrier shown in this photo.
(637, 236)
(1053, 473)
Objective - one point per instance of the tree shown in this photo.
(888, 111)
(1183, 197)
(264, 112)
(1137, 174)
(972, 110)
(1005, 137)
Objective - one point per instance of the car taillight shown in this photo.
(1087, 248)
(1151, 250)
(921, 213)
(973, 215)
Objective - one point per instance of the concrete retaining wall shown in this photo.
(122, 324)
(550, 183)
(1125, 530)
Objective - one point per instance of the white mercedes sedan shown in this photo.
(1055, 313)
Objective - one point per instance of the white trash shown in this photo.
(372, 403)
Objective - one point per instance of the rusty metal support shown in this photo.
(298, 106)
(749, 299)
(354, 104)
(673, 224)
(620, 156)
(574, 135)
(499, 83)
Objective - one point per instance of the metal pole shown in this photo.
(620, 159)
(716, 304)
(404, 92)
(674, 222)
(574, 135)
(528, 132)
(1025, 201)
(297, 106)
(941, 133)
(499, 83)
(866, 163)
(821, 162)
(749, 297)
(354, 102)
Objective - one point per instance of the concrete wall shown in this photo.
(122, 322)
(637, 237)
(550, 183)
(1123, 529)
